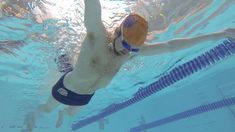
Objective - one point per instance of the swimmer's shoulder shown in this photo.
(99, 35)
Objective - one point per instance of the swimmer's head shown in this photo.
(134, 29)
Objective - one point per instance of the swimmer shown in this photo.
(9, 9)
(160, 15)
(226, 5)
(102, 55)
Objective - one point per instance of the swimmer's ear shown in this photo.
(117, 32)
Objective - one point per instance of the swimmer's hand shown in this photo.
(230, 33)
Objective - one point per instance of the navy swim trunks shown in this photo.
(68, 97)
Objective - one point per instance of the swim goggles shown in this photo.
(126, 45)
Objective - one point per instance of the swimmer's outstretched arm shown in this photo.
(184, 43)
(92, 18)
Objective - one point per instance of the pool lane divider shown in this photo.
(186, 114)
(220, 52)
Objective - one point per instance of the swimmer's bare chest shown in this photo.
(95, 68)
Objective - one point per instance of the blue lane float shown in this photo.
(186, 114)
(223, 50)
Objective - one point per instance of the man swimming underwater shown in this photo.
(101, 57)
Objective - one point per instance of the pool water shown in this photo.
(29, 48)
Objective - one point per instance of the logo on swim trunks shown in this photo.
(62, 91)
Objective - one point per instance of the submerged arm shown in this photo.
(179, 44)
(92, 16)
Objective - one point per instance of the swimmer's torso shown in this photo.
(96, 65)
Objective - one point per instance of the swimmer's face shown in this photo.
(122, 45)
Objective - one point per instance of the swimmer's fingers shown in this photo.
(230, 33)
